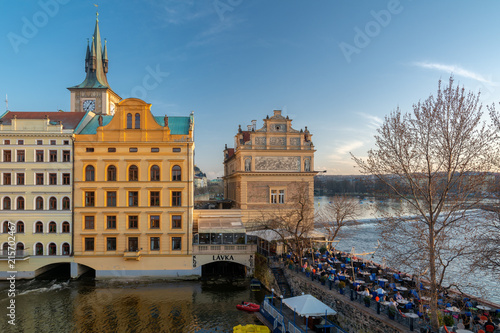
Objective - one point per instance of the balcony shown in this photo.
(132, 255)
(20, 255)
(224, 249)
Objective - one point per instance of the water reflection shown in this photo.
(134, 306)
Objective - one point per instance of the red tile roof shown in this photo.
(69, 120)
(230, 153)
(246, 136)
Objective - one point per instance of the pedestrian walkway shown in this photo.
(285, 289)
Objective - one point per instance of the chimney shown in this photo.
(249, 127)
(254, 125)
(166, 120)
(277, 112)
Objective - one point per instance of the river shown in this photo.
(364, 239)
(128, 306)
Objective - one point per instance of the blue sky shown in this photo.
(337, 67)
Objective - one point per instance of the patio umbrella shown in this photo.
(308, 305)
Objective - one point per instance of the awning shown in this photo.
(308, 305)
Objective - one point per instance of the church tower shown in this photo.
(94, 93)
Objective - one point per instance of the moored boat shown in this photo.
(255, 285)
(251, 329)
(247, 306)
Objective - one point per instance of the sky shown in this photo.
(337, 67)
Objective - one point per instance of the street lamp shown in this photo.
(281, 298)
(307, 319)
(272, 296)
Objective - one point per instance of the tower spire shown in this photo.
(96, 61)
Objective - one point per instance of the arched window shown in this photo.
(39, 203)
(52, 249)
(20, 227)
(137, 121)
(52, 203)
(90, 173)
(133, 173)
(6, 203)
(5, 227)
(65, 249)
(39, 227)
(5, 248)
(111, 173)
(20, 203)
(39, 249)
(52, 227)
(19, 248)
(129, 120)
(66, 203)
(155, 173)
(176, 173)
(65, 227)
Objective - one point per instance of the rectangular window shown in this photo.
(52, 178)
(132, 150)
(66, 156)
(154, 221)
(52, 142)
(39, 142)
(111, 243)
(111, 150)
(89, 244)
(39, 155)
(111, 222)
(39, 179)
(155, 243)
(53, 155)
(6, 142)
(20, 142)
(133, 244)
(66, 179)
(90, 199)
(155, 150)
(20, 156)
(176, 150)
(274, 194)
(20, 179)
(281, 196)
(176, 198)
(176, 243)
(133, 222)
(89, 150)
(154, 198)
(7, 156)
(133, 198)
(176, 222)
(7, 178)
(89, 222)
(111, 198)
(66, 142)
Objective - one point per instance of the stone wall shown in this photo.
(353, 317)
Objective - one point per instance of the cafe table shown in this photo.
(412, 317)
(453, 309)
(463, 331)
(402, 288)
(484, 307)
(402, 301)
(425, 298)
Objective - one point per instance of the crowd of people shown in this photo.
(396, 291)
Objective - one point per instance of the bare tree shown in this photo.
(292, 222)
(436, 160)
(337, 215)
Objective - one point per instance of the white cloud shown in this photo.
(456, 70)
(374, 122)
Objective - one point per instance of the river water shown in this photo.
(128, 306)
(364, 239)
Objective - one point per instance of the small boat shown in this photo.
(247, 306)
(255, 285)
(251, 329)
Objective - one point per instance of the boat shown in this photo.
(255, 285)
(251, 329)
(247, 306)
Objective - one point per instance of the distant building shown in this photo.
(200, 179)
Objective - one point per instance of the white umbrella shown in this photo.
(308, 305)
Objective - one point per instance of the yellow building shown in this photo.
(266, 165)
(134, 193)
(36, 188)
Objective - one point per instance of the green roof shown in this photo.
(178, 125)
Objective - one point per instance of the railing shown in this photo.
(224, 249)
(273, 315)
(20, 255)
